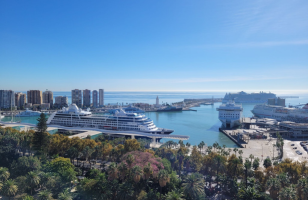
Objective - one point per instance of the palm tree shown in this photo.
(236, 162)
(80, 154)
(240, 152)
(112, 171)
(65, 195)
(136, 173)
(188, 144)
(215, 145)
(28, 198)
(129, 160)
(229, 150)
(45, 195)
(247, 166)
(302, 188)
(274, 186)
(174, 195)
(147, 171)
(126, 191)
(249, 193)
(163, 178)
(4, 174)
(194, 186)
(72, 153)
(288, 193)
(235, 150)
(200, 146)
(9, 188)
(122, 168)
(33, 180)
(251, 157)
(218, 161)
(284, 179)
(87, 152)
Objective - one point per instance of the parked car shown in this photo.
(294, 147)
(292, 144)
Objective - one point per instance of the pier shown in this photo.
(94, 131)
(230, 136)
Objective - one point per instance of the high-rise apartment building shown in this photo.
(48, 97)
(61, 101)
(77, 97)
(101, 97)
(20, 100)
(95, 98)
(87, 98)
(34, 97)
(7, 99)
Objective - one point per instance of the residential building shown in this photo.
(20, 100)
(7, 99)
(77, 97)
(87, 98)
(48, 97)
(61, 101)
(101, 97)
(95, 98)
(34, 97)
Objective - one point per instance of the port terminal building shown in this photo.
(295, 130)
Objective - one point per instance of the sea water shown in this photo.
(200, 125)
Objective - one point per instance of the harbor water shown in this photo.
(200, 125)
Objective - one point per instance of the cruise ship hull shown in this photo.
(170, 110)
(230, 123)
(280, 113)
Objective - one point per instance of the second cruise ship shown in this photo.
(243, 97)
(119, 121)
(280, 113)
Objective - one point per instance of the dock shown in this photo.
(94, 131)
(228, 134)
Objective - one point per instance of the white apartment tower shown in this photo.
(157, 101)
(101, 97)
(7, 99)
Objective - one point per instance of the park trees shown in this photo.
(267, 163)
(131, 145)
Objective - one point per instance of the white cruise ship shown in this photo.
(280, 113)
(119, 121)
(230, 114)
(243, 97)
(28, 113)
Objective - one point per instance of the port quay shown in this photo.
(85, 132)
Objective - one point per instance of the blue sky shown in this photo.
(151, 45)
